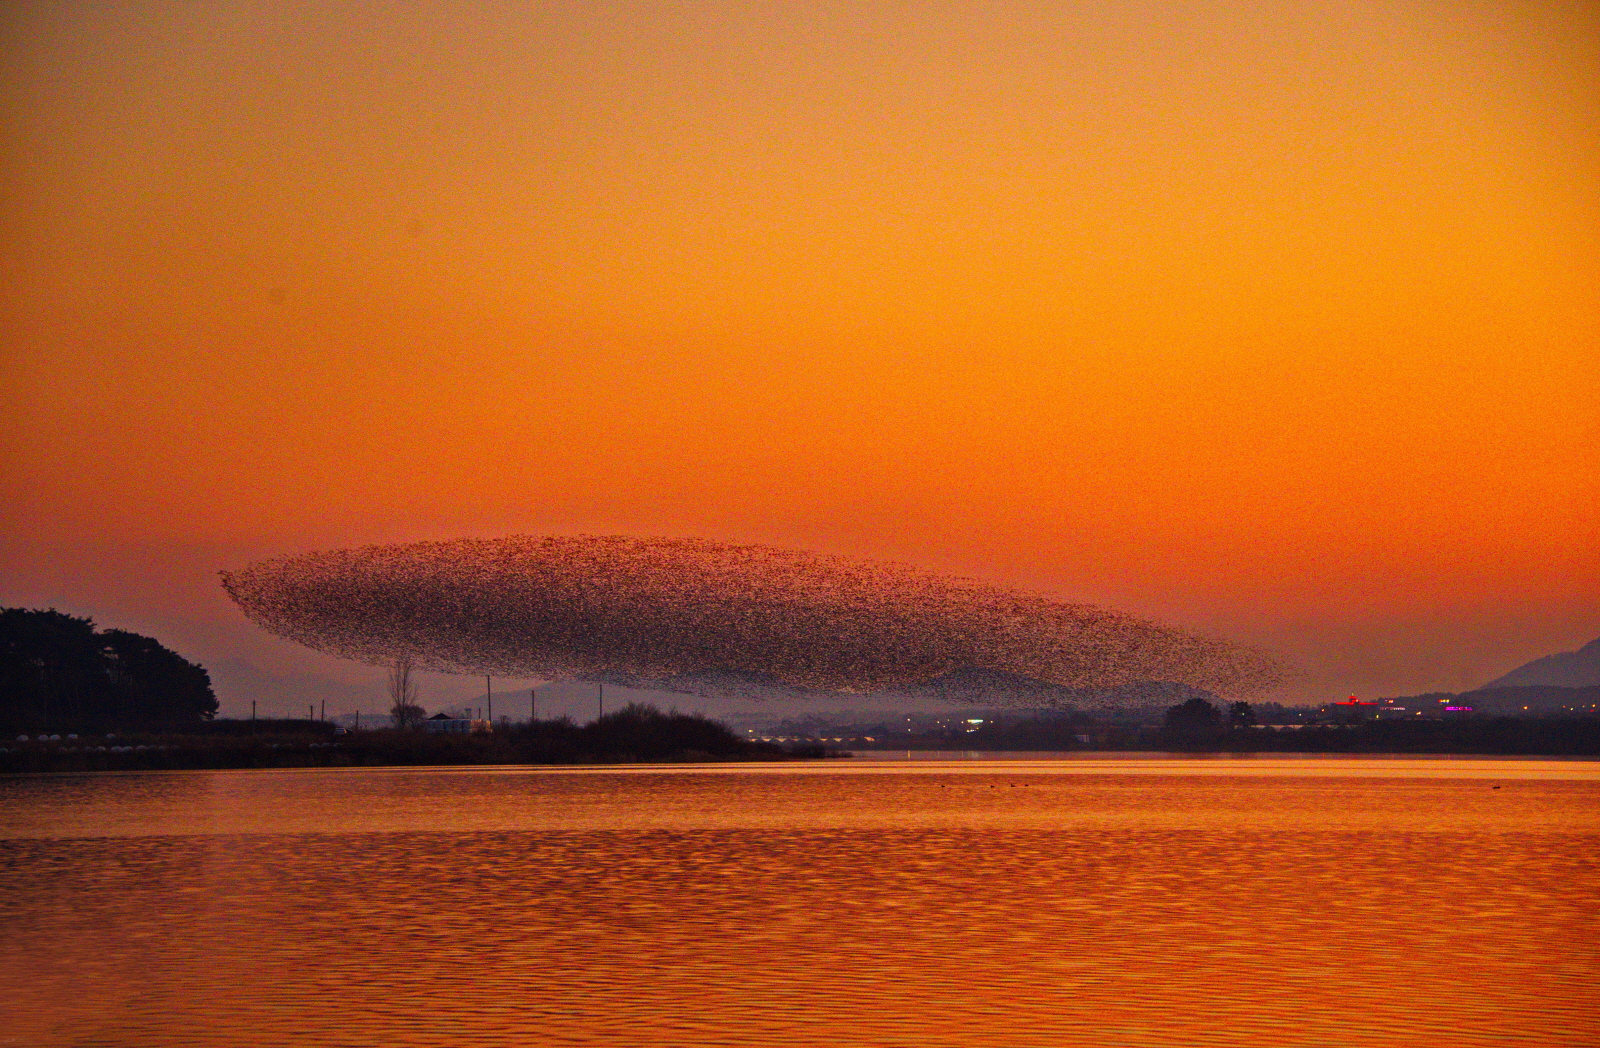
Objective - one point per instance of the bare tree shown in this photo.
(405, 712)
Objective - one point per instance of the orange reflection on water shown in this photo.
(1129, 902)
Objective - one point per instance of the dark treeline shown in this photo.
(637, 732)
(1493, 736)
(1198, 726)
(634, 734)
(1535, 699)
(58, 673)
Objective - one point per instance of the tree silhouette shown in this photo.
(1193, 716)
(56, 670)
(154, 684)
(404, 710)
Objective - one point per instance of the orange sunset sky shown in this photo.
(1277, 320)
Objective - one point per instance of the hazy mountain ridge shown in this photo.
(976, 686)
(967, 685)
(1567, 669)
(238, 682)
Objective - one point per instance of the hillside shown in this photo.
(1568, 669)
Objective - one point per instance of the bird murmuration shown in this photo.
(675, 614)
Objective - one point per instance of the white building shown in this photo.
(443, 722)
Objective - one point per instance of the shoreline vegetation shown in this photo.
(1486, 736)
(643, 734)
(635, 734)
(77, 699)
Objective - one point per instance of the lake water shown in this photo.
(869, 902)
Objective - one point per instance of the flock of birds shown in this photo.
(710, 618)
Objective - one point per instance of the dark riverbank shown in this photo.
(1485, 736)
(632, 735)
(639, 735)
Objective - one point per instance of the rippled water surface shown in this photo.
(1051, 903)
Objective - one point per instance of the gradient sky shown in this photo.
(1280, 320)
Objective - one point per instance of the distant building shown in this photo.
(443, 722)
(1348, 711)
(1427, 707)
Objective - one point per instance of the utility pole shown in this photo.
(324, 710)
(533, 705)
(488, 687)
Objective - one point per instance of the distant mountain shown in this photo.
(728, 684)
(977, 686)
(969, 685)
(239, 682)
(1570, 669)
